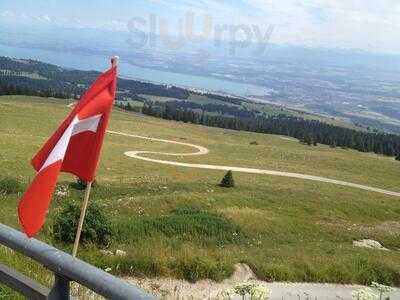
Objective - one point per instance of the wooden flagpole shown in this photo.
(82, 218)
(114, 61)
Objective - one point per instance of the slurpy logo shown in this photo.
(174, 35)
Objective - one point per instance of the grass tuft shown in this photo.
(183, 223)
(10, 185)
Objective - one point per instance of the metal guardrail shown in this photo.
(65, 268)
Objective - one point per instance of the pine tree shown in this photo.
(307, 139)
(228, 181)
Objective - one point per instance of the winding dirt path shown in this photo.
(203, 151)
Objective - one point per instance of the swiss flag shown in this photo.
(74, 148)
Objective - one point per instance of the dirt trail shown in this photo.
(167, 288)
(202, 151)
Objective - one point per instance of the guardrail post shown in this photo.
(60, 289)
(22, 284)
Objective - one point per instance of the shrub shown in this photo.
(228, 181)
(80, 184)
(254, 143)
(398, 157)
(10, 185)
(96, 228)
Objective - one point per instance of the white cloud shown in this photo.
(366, 24)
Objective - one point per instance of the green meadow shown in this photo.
(178, 222)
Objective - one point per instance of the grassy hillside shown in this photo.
(177, 222)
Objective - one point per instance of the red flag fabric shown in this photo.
(74, 148)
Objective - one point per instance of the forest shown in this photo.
(310, 132)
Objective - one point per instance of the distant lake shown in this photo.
(99, 63)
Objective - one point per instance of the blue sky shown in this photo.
(372, 25)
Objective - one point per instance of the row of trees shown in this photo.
(308, 131)
(221, 109)
(128, 106)
(10, 89)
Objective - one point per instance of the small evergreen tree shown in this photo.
(398, 157)
(228, 181)
(306, 139)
